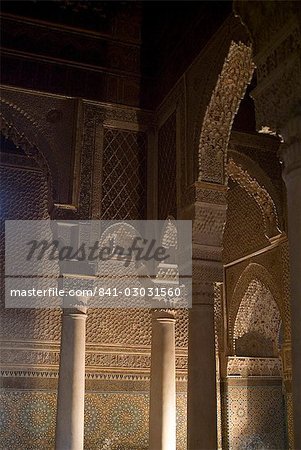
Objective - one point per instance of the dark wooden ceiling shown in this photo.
(119, 51)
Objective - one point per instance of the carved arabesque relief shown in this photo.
(258, 193)
(258, 272)
(9, 131)
(124, 175)
(230, 88)
(257, 324)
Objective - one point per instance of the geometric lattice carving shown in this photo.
(167, 187)
(124, 175)
(25, 196)
(229, 90)
(244, 231)
(260, 195)
(129, 326)
(218, 316)
(257, 324)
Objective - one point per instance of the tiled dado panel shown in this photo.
(255, 418)
(113, 420)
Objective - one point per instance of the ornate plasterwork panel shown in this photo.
(257, 324)
(261, 162)
(12, 134)
(218, 317)
(41, 360)
(95, 118)
(255, 271)
(230, 88)
(258, 193)
(25, 196)
(253, 367)
(244, 231)
(129, 326)
(48, 123)
(124, 175)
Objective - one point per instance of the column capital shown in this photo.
(164, 315)
(80, 311)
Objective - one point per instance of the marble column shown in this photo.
(291, 155)
(201, 400)
(71, 387)
(162, 434)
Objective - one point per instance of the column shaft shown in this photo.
(163, 383)
(71, 387)
(201, 406)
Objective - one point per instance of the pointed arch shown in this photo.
(259, 272)
(230, 88)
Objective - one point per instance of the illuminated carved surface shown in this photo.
(119, 419)
(25, 196)
(258, 155)
(257, 324)
(230, 88)
(129, 326)
(259, 193)
(244, 231)
(268, 279)
(253, 367)
(47, 123)
(124, 175)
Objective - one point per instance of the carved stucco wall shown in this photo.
(258, 198)
(271, 269)
(134, 328)
(24, 196)
(244, 231)
(253, 397)
(118, 342)
(124, 167)
(258, 155)
(47, 123)
(257, 324)
(255, 411)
